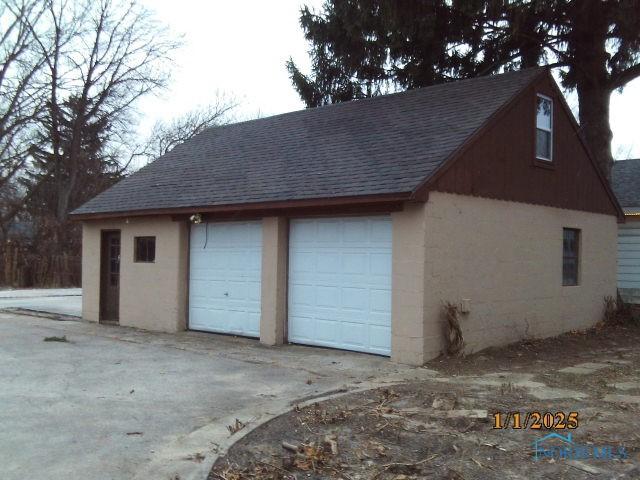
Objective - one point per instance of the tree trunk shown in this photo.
(588, 42)
(594, 124)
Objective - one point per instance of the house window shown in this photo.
(570, 256)
(544, 126)
(145, 249)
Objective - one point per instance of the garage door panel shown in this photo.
(355, 299)
(327, 262)
(380, 264)
(303, 262)
(355, 263)
(224, 277)
(380, 302)
(207, 290)
(380, 338)
(207, 317)
(354, 334)
(301, 327)
(327, 296)
(254, 324)
(379, 319)
(305, 233)
(325, 330)
(353, 231)
(254, 289)
(380, 233)
(340, 283)
(325, 231)
(302, 295)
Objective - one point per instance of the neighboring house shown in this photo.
(349, 225)
(625, 179)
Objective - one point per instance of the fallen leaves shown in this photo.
(296, 457)
(236, 426)
(317, 414)
(196, 457)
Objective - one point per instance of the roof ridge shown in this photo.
(384, 96)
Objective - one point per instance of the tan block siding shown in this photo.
(275, 249)
(506, 257)
(152, 295)
(91, 269)
(408, 285)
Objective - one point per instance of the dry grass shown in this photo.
(454, 339)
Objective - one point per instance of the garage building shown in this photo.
(349, 225)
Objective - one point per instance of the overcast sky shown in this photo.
(240, 47)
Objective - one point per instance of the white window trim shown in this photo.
(544, 159)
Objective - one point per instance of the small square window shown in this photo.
(570, 256)
(145, 249)
(544, 128)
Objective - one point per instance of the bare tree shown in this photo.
(98, 58)
(167, 135)
(101, 57)
(21, 96)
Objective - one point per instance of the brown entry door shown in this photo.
(110, 276)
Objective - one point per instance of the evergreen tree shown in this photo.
(60, 181)
(361, 48)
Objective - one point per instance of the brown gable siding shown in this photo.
(500, 163)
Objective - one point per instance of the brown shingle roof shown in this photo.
(382, 145)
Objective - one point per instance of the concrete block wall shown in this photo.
(153, 296)
(506, 258)
(408, 288)
(275, 254)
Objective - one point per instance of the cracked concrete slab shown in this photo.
(586, 368)
(106, 403)
(473, 413)
(516, 380)
(550, 393)
(621, 398)
(632, 385)
(617, 361)
(576, 371)
(64, 301)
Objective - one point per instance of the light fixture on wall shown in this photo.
(196, 218)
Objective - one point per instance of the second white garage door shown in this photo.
(340, 283)
(225, 266)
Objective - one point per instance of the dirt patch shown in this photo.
(444, 428)
(556, 352)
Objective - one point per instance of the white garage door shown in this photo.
(629, 255)
(224, 277)
(340, 283)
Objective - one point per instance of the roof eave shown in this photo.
(290, 206)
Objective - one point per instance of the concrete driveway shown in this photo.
(111, 400)
(65, 301)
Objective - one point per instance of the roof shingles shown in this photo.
(625, 181)
(382, 145)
